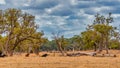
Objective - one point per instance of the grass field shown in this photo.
(60, 62)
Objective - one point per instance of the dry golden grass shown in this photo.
(56, 61)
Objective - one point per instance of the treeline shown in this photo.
(98, 36)
(76, 43)
(18, 33)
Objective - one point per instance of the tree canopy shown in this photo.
(18, 27)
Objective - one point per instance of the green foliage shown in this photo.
(99, 33)
(102, 28)
(89, 38)
(114, 44)
(19, 27)
(49, 46)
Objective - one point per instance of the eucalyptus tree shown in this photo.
(102, 25)
(17, 27)
(60, 42)
(99, 33)
(91, 39)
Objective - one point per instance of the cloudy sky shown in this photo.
(69, 17)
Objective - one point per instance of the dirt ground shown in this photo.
(56, 61)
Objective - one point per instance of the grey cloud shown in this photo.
(68, 16)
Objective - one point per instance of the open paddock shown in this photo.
(56, 61)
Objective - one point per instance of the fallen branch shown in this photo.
(105, 55)
(82, 54)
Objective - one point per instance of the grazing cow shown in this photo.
(2, 54)
(27, 55)
(44, 55)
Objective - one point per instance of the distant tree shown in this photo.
(103, 29)
(91, 39)
(49, 46)
(76, 42)
(102, 25)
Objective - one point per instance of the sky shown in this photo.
(69, 17)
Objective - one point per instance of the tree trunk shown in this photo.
(7, 45)
(37, 51)
(95, 48)
(61, 50)
(107, 45)
(101, 43)
(73, 49)
(100, 47)
(59, 47)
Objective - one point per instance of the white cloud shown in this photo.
(115, 15)
(74, 2)
(99, 9)
(47, 20)
(50, 10)
(2, 2)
